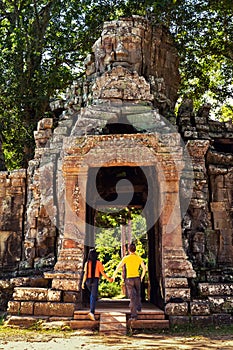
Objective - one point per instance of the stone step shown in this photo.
(142, 315)
(83, 315)
(84, 324)
(117, 321)
(148, 324)
(113, 323)
(24, 321)
(41, 308)
(107, 322)
(151, 316)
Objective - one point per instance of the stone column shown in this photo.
(221, 179)
(68, 269)
(198, 215)
(176, 269)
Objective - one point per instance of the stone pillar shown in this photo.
(68, 269)
(175, 265)
(221, 179)
(176, 269)
(12, 205)
(198, 214)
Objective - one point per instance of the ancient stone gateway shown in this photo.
(161, 166)
(132, 135)
(118, 144)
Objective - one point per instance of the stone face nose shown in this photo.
(120, 53)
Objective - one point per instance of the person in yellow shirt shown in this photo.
(133, 280)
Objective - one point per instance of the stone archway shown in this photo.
(161, 152)
(111, 183)
(122, 127)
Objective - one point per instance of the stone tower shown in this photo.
(132, 77)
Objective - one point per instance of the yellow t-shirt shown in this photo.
(132, 263)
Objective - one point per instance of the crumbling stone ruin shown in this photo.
(121, 117)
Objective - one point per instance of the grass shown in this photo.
(14, 333)
(194, 330)
(35, 333)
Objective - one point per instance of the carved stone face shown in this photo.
(136, 46)
(122, 45)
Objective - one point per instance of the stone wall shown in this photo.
(12, 213)
(207, 226)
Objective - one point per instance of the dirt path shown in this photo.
(91, 341)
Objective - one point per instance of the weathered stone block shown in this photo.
(61, 309)
(176, 282)
(183, 293)
(63, 284)
(221, 304)
(202, 320)
(22, 321)
(45, 123)
(199, 308)
(42, 309)
(71, 297)
(26, 308)
(176, 309)
(220, 319)
(210, 289)
(54, 295)
(13, 307)
(179, 320)
(17, 182)
(24, 293)
(54, 309)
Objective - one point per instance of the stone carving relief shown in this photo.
(9, 246)
(138, 47)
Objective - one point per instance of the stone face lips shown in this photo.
(119, 83)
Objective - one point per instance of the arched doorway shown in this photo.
(128, 187)
(128, 157)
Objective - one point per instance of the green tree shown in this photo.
(43, 45)
(108, 242)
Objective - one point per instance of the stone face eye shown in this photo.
(108, 45)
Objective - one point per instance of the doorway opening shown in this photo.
(122, 206)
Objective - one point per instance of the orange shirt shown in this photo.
(99, 268)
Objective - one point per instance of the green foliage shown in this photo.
(109, 290)
(202, 31)
(2, 320)
(226, 112)
(108, 244)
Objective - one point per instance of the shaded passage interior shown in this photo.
(125, 189)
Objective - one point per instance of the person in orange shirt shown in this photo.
(133, 281)
(93, 269)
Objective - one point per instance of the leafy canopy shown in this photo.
(43, 45)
